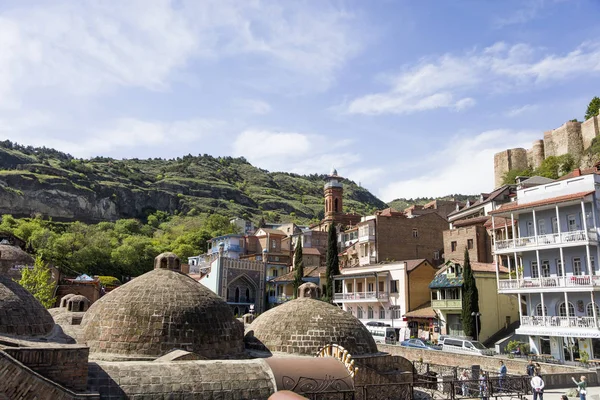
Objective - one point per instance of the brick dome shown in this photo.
(11, 256)
(304, 325)
(160, 311)
(20, 313)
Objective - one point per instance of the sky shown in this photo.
(408, 98)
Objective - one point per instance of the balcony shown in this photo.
(446, 304)
(558, 322)
(577, 281)
(361, 296)
(366, 238)
(549, 240)
(280, 299)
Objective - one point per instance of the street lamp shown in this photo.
(476, 315)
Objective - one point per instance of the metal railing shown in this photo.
(558, 322)
(446, 303)
(546, 239)
(550, 282)
(361, 296)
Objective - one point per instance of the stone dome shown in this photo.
(13, 255)
(20, 313)
(158, 312)
(304, 325)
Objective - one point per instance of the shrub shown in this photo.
(109, 281)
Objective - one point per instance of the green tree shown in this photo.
(510, 176)
(298, 266)
(470, 299)
(333, 264)
(593, 108)
(38, 281)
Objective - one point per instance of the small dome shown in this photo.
(167, 261)
(13, 255)
(160, 311)
(304, 325)
(20, 313)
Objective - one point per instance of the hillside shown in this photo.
(402, 203)
(54, 184)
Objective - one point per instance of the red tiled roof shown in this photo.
(559, 199)
(477, 267)
(289, 277)
(499, 222)
(412, 264)
(390, 212)
(423, 311)
(271, 231)
(470, 221)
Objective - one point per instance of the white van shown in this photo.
(382, 334)
(464, 346)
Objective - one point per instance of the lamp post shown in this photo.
(476, 315)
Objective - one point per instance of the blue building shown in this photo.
(548, 240)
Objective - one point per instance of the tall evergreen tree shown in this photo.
(593, 108)
(470, 300)
(298, 266)
(333, 263)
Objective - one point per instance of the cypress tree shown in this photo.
(470, 299)
(298, 266)
(333, 265)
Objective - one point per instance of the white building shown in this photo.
(548, 239)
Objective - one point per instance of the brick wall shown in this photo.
(395, 239)
(481, 251)
(20, 382)
(67, 366)
(92, 292)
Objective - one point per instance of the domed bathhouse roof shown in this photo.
(305, 325)
(13, 256)
(160, 311)
(20, 313)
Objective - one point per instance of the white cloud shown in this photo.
(517, 111)
(253, 106)
(464, 166)
(451, 81)
(292, 151)
(529, 11)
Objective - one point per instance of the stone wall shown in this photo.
(516, 366)
(507, 160)
(565, 139)
(66, 365)
(589, 130)
(381, 369)
(536, 155)
(20, 382)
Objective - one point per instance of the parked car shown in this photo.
(464, 346)
(374, 323)
(419, 344)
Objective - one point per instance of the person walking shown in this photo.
(464, 382)
(502, 376)
(530, 368)
(581, 386)
(483, 386)
(537, 384)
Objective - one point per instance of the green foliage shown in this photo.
(109, 281)
(552, 167)
(298, 266)
(470, 300)
(584, 356)
(593, 108)
(332, 263)
(38, 281)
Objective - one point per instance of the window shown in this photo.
(593, 265)
(559, 268)
(534, 270)
(577, 266)
(415, 233)
(546, 268)
(538, 310)
(359, 312)
(349, 288)
(381, 285)
(530, 231)
(382, 313)
(541, 227)
(562, 312)
(359, 287)
(554, 225)
(571, 223)
(394, 286)
(469, 244)
(453, 246)
(590, 311)
(370, 287)
(436, 255)
(397, 313)
(370, 313)
(273, 243)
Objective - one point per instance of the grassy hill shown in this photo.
(402, 203)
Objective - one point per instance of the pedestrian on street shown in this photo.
(530, 368)
(483, 386)
(502, 372)
(464, 382)
(537, 384)
(581, 386)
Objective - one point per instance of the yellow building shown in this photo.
(497, 310)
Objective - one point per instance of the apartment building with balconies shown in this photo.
(384, 292)
(497, 311)
(548, 240)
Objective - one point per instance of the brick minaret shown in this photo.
(333, 195)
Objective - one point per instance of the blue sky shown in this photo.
(409, 98)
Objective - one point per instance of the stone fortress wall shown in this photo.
(572, 137)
